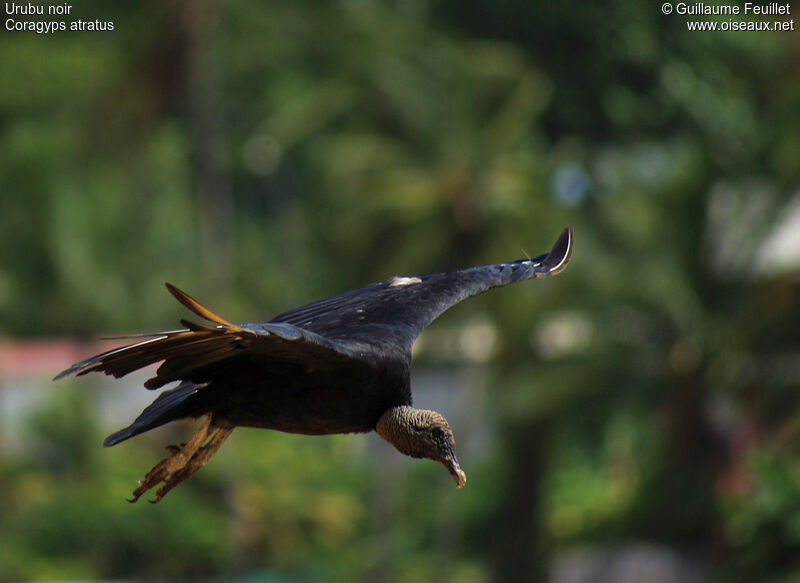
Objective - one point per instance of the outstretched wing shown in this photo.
(197, 352)
(381, 319)
(392, 314)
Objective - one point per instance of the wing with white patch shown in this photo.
(394, 313)
(353, 328)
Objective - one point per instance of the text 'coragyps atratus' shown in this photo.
(339, 365)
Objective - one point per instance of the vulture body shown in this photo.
(339, 365)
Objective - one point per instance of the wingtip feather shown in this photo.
(63, 374)
(198, 308)
(559, 256)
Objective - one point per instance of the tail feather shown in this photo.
(170, 405)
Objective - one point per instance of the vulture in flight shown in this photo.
(339, 365)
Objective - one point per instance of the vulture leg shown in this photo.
(184, 461)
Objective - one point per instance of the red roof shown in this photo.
(46, 357)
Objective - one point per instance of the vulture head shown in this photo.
(421, 433)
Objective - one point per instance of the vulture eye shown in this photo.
(437, 433)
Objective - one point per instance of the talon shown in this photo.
(184, 461)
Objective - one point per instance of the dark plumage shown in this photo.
(339, 365)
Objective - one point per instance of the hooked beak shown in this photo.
(451, 463)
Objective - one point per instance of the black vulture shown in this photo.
(339, 365)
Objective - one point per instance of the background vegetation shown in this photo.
(262, 155)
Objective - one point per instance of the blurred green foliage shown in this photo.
(261, 155)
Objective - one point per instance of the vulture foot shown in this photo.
(184, 461)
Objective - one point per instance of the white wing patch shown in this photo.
(398, 281)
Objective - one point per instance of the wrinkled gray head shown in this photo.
(422, 433)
